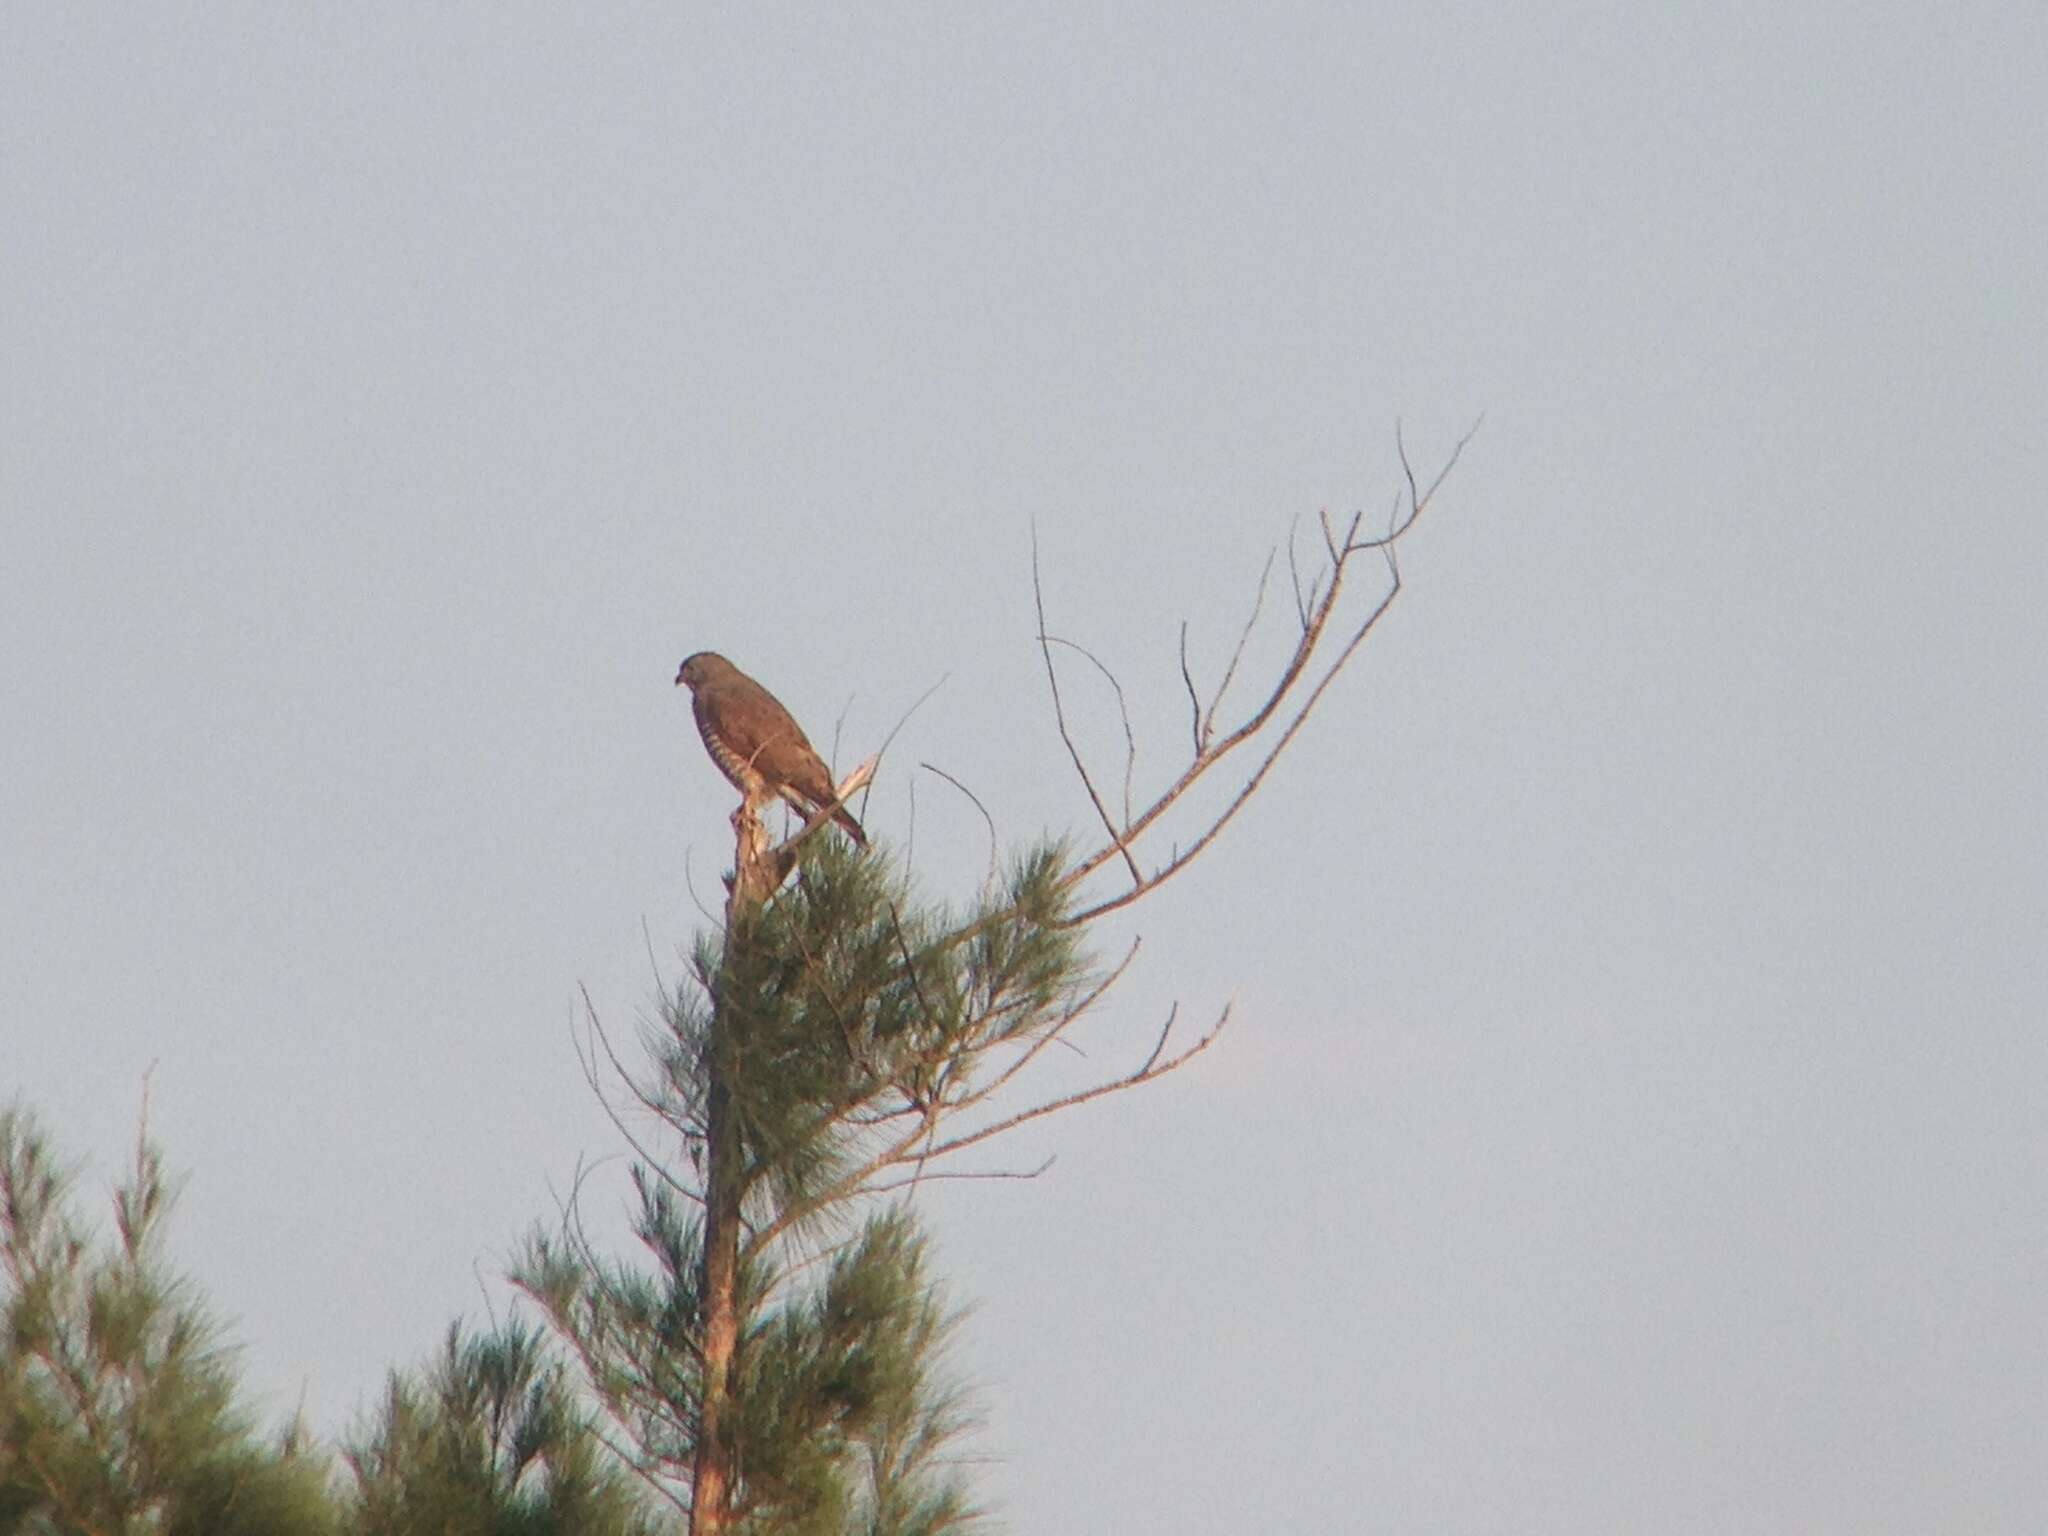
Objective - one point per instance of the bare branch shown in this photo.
(839, 725)
(913, 1180)
(1407, 469)
(910, 833)
(1123, 710)
(1186, 856)
(839, 728)
(1209, 756)
(987, 819)
(1153, 1068)
(1258, 603)
(924, 1003)
(596, 1031)
(1060, 717)
(1419, 500)
(904, 719)
(1051, 1035)
(1315, 586)
(904, 1147)
(1314, 609)
(653, 965)
(1194, 702)
(1301, 604)
(712, 918)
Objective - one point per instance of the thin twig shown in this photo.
(1194, 700)
(1145, 1074)
(1314, 611)
(1301, 606)
(913, 1180)
(1181, 860)
(1209, 756)
(1060, 717)
(1419, 500)
(910, 969)
(597, 1032)
(1052, 1032)
(1258, 603)
(1122, 709)
(903, 1148)
(987, 819)
(904, 719)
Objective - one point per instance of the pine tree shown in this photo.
(807, 1062)
(117, 1402)
(774, 1367)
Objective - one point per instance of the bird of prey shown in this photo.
(755, 742)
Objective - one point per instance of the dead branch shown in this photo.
(663, 1112)
(1122, 709)
(1182, 858)
(904, 719)
(1301, 604)
(1315, 609)
(1194, 700)
(910, 971)
(1060, 718)
(902, 1149)
(987, 820)
(1053, 1032)
(911, 1181)
(1151, 1069)
(1258, 603)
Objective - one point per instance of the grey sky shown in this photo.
(1634, 1114)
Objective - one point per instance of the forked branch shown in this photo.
(1321, 651)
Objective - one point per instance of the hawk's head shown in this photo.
(702, 668)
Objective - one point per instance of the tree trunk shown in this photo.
(714, 1479)
(712, 1482)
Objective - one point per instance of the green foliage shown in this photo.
(846, 1023)
(634, 1333)
(843, 1423)
(488, 1441)
(847, 1008)
(848, 1030)
(116, 1401)
(844, 1419)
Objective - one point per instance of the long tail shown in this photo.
(845, 819)
(806, 805)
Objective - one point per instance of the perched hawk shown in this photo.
(754, 741)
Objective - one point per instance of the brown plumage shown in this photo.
(754, 741)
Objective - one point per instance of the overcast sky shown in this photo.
(1635, 1114)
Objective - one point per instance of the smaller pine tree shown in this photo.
(117, 1400)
